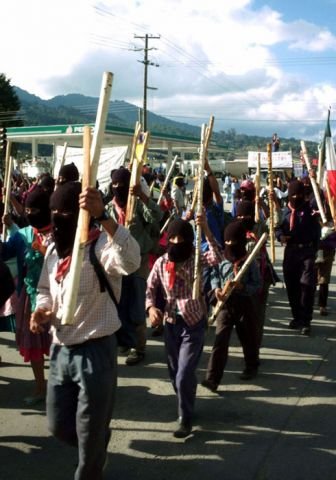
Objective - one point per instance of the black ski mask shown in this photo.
(235, 242)
(38, 200)
(180, 252)
(296, 194)
(121, 176)
(64, 222)
(246, 210)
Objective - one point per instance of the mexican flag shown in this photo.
(329, 157)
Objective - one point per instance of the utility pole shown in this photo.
(146, 62)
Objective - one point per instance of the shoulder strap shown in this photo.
(103, 282)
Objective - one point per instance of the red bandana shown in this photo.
(170, 268)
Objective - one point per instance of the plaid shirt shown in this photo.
(178, 300)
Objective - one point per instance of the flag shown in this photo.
(329, 157)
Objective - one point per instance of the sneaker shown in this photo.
(249, 373)
(184, 429)
(134, 357)
(123, 350)
(323, 311)
(209, 385)
(305, 331)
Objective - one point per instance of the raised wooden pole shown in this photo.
(270, 201)
(7, 184)
(70, 300)
(166, 180)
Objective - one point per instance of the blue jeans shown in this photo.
(184, 346)
(80, 398)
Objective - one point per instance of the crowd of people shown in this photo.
(143, 273)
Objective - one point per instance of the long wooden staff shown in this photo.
(137, 164)
(65, 147)
(165, 183)
(257, 190)
(137, 131)
(231, 284)
(313, 184)
(7, 184)
(205, 140)
(271, 202)
(70, 300)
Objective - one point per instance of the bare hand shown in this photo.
(38, 318)
(155, 316)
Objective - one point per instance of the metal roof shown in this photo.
(114, 136)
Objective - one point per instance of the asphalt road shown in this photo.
(280, 426)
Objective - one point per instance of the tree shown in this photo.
(9, 104)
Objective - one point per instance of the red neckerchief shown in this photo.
(63, 265)
(40, 242)
(121, 212)
(171, 269)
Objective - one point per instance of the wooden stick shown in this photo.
(197, 273)
(270, 201)
(165, 183)
(313, 184)
(70, 300)
(257, 190)
(230, 285)
(7, 185)
(205, 140)
(137, 131)
(65, 147)
(137, 164)
(85, 217)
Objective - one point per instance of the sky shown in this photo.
(258, 66)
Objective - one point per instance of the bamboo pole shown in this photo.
(137, 131)
(7, 184)
(257, 190)
(85, 216)
(197, 279)
(270, 201)
(65, 147)
(165, 183)
(314, 184)
(230, 285)
(205, 140)
(137, 164)
(70, 300)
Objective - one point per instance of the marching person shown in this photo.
(29, 245)
(82, 377)
(239, 310)
(185, 318)
(146, 230)
(268, 276)
(300, 232)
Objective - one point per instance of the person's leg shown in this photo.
(219, 353)
(96, 374)
(292, 274)
(62, 396)
(248, 333)
(307, 292)
(137, 313)
(192, 340)
(172, 337)
(38, 371)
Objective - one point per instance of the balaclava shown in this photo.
(235, 242)
(179, 252)
(65, 200)
(296, 188)
(69, 173)
(39, 199)
(246, 209)
(120, 194)
(247, 189)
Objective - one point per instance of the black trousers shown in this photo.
(300, 280)
(239, 311)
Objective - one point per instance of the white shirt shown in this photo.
(96, 314)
